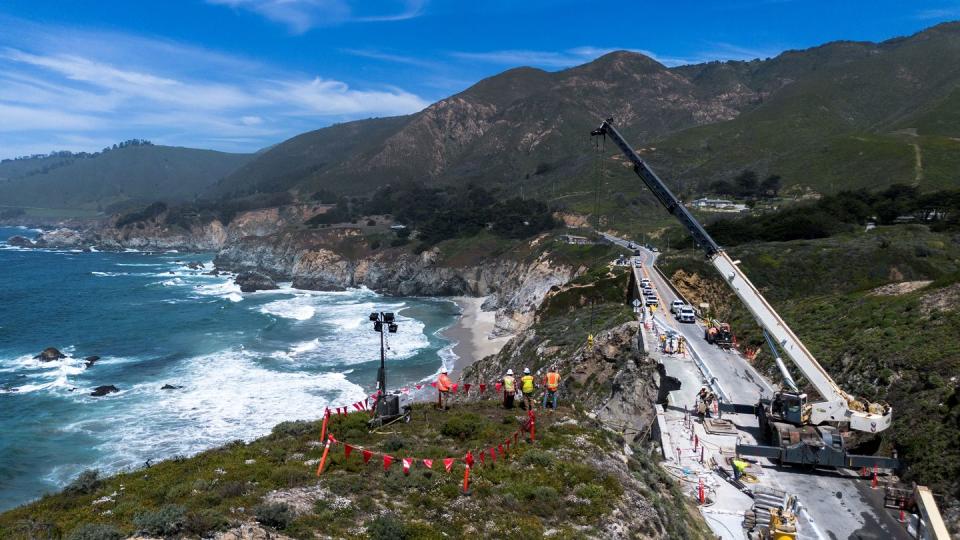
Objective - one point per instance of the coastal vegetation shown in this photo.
(568, 481)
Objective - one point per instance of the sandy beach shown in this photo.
(471, 333)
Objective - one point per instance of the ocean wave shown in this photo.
(225, 396)
(110, 274)
(298, 308)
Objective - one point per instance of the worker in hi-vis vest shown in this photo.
(527, 387)
(443, 389)
(552, 382)
(509, 389)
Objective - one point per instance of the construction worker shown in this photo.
(527, 387)
(443, 389)
(552, 382)
(739, 468)
(509, 389)
(702, 403)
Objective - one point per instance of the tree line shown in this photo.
(441, 213)
(749, 186)
(844, 212)
(80, 155)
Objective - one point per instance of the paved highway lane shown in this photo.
(837, 504)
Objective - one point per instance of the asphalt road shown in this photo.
(838, 505)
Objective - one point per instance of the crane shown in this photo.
(788, 413)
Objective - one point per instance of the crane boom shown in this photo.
(839, 406)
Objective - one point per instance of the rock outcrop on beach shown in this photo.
(321, 261)
(104, 390)
(50, 354)
(252, 281)
(19, 241)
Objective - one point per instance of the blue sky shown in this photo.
(238, 75)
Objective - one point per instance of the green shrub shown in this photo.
(202, 522)
(167, 521)
(292, 429)
(387, 527)
(462, 426)
(84, 484)
(95, 531)
(230, 490)
(394, 443)
(537, 457)
(276, 515)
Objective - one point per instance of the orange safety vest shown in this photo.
(444, 383)
(553, 381)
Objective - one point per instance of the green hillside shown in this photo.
(131, 174)
(842, 115)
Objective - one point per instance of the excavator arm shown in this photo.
(838, 406)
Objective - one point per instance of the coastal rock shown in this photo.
(60, 238)
(104, 390)
(90, 360)
(170, 387)
(252, 281)
(335, 259)
(19, 241)
(250, 531)
(50, 354)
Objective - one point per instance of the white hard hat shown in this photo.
(443, 370)
(526, 371)
(509, 372)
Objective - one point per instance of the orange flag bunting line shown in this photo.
(366, 456)
(428, 463)
(407, 462)
(387, 460)
(448, 463)
(346, 451)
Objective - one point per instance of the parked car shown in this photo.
(687, 315)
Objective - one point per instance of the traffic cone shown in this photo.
(874, 482)
(700, 494)
(903, 518)
(466, 480)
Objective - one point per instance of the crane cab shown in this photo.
(788, 407)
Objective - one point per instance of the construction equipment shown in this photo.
(805, 433)
(719, 334)
(772, 516)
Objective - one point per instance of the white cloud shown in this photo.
(61, 88)
(326, 97)
(949, 12)
(302, 15)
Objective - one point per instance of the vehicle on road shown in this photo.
(651, 300)
(800, 432)
(675, 306)
(719, 334)
(645, 283)
(686, 315)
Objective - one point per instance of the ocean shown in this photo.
(245, 362)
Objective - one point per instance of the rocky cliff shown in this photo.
(334, 259)
(159, 234)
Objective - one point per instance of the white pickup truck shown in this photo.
(686, 315)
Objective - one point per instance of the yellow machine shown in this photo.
(783, 525)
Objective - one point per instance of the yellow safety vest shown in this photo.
(508, 384)
(527, 381)
(553, 381)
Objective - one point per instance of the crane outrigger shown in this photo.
(805, 432)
